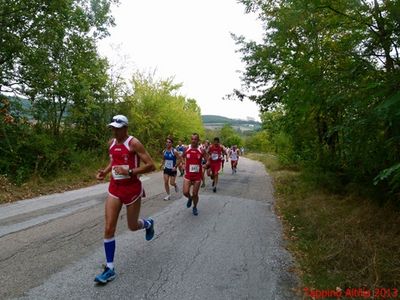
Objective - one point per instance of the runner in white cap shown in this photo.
(128, 159)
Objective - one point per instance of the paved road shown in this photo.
(51, 247)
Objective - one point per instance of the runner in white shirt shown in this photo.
(234, 156)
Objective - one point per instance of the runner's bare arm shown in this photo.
(101, 174)
(183, 158)
(178, 158)
(207, 158)
(147, 163)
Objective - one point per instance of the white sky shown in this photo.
(190, 41)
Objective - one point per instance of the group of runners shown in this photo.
(213, 157)
(129, 159)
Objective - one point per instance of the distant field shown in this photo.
(216, 122)
(241, 127)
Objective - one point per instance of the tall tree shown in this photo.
(333, 66)
(48, 52)
(157, 111)
(48, 55)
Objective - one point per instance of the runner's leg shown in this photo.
(186, 191)
(172, 182)
(132, 215)
(195, 191)
(166, 186)
(134, 223)
(112, 210)
(203, 178)
(186, 188)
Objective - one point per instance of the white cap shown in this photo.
(119, 121)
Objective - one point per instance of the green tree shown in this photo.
(229, 137)
(332, 67)
(48, 55)
(158, 111)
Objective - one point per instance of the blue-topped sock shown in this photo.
(109, 247)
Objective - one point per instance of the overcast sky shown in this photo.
(190, 41)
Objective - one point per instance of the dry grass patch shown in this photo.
(269, 160)
(38, 186)
(338, 240)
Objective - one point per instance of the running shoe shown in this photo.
(195, 212)
(215, 189)
(176, 189)
(107, 275)
(189, 202)
(166, 198)
(150, 230)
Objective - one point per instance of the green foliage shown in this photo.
(64, 95)
(259, 142)
(49, 59)
(49, 55)
(154, 109)
(35, 153)
(157, 111)
(393, 173)
(328, 72)
(229, 136)
(215, 119)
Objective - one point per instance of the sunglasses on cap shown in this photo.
(117, 120)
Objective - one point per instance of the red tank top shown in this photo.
(121, 156)
(215, 153)
(193, 161)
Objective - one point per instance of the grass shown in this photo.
(38, 186)
(338, 240)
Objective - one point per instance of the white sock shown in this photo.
(110, 266)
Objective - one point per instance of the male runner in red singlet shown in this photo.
(215, 152)
(193, 157)
(128, 159)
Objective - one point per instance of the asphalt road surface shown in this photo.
(52, 246)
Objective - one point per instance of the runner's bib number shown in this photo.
(169, 164)
(214, 156)
(194, 168)
(120, 176)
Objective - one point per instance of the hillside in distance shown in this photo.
(216, 122)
